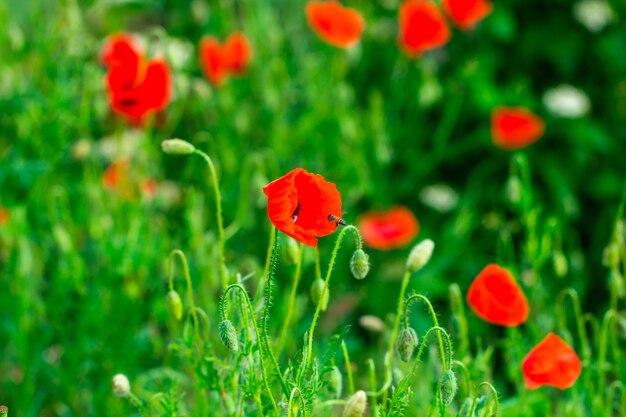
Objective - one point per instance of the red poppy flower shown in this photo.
(136, 87)
(300, 204)
(466, 13)
(148, 187)
(422, 27)
(335, 24)
(4, 216)
(394, 228)
(552, 362)
(515, 127)
(116, 174)
(496, 298)
(218, 61)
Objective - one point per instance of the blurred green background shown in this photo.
(82, 268)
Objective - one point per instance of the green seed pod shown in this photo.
(355, 406)
(448, 387)
(4, 411)
(406, 343)
(318, 295)
(177, 147)
(359, 264)
(420, 255)
(559, 261)
(335, 382)
(228, 334)
(174, 304)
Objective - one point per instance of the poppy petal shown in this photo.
(213, 60)
(238, 52)
(335, 24)
(496, 298)
(123, 57)
(552, 362)
(422, 27)
(515, 127)
(394, 228)
(467, 13)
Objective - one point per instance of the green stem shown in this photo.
(372, 374)
(220, 221)
(433, 316)
(292, 301)
(466, 377)
(458, 309)
(582, 332)
(359, 244)
(610, 315)
(610, 396)
(494, 394)
(346, 358)
(302, 403)
(266, 269)
(258, 335)
(134, 400)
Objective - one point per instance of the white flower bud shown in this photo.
(420, 255)
(121, 386)
(177, 147)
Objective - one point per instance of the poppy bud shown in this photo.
(372, 323)
(177, 147)
(616, 283)
(335, 381)
(359, 264)
(448, 387)
(406, 343)
(4, 411)
(290, 251)
(228, 334)
(356, 405)
(121, 386)
(559, 261)
(513, 190)
(611, 255)
(420, 255)
(318, 295)
(174, 304)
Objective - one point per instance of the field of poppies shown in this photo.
(313, 208)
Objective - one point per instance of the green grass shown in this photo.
(84, 271)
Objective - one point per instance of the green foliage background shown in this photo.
(82, 270)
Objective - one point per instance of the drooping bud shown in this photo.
(406, 343)
(121, 386)
(4, 411)
(360, 264)
(335, 381)
(448, 387)
(228, 334)
(420, 255)
(177, 147)
(318, 295)
(559, 261)
(174, 304)
(355, 407)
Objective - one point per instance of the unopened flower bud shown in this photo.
(360, 264)
(318, 295)
(177, 147)
(406, 343)
(513, 190)
(448, 387)
(559, 261)
(372, 323)
(4, 411)
(290, 251)
(355, 406)
(611, 255)
(616, 283)
(121, 386)
(420, 255)
(228, 334)
(174, 304)
(335, 381)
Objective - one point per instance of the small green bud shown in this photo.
(448, 387)
(420, 255)
(228, 334)
(316, 294)
(335, 381)
(616, 283)
(559, 262)
(611, 255)
(177, 147)
(360, 264)
(290, 251)
(355, 406)
(174, 304)
(121, 386)
(4, 411)
(513, 190)
(406, 343)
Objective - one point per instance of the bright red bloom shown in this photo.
(394, 228)
(218, 61)
(552, 362)
(335, 24)
(422, 27)
(4, 216)
(299, 204)
(515, 127)
(136, 87)
(496, 298)
(466, 13)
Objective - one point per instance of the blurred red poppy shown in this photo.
(335, 24)
(422, 27)
(300, 204)
(466, 13)
(394, 228)
(496, 298)
(136, 87)
(149, 187)
(552, 362)
(4, 216)
(515, 127)
(218, 61)
(116, 174)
